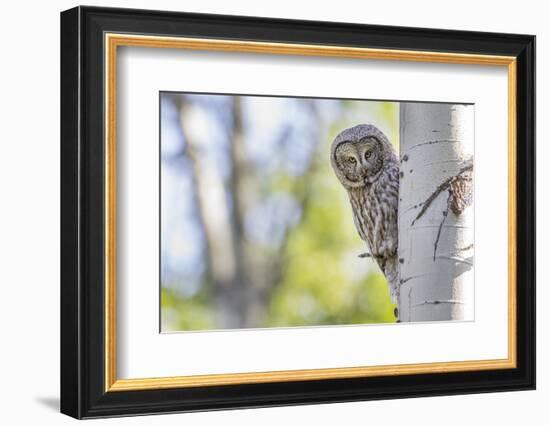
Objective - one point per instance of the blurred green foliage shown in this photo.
(179, 313)
(322, 281)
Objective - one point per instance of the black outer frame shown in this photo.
(82, 218)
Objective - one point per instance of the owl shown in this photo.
(367, 166)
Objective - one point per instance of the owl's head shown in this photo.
(358, 155)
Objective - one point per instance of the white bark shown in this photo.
(435, 245)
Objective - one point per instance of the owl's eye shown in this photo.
(352, 160)
(368, 154)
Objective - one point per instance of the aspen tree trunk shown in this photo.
(436, 222)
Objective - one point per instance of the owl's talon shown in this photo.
(369, 255)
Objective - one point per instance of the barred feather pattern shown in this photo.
(375, 216)
(366, 164)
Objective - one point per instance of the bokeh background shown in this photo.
(256, 230)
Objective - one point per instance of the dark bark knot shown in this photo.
(460, 192)
(460, 196)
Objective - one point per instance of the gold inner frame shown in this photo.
(113, 41)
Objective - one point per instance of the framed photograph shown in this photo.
(261, 212)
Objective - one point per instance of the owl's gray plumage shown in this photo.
(367, 166)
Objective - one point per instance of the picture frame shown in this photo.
(90, 41)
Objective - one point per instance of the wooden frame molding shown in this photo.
(114, 40)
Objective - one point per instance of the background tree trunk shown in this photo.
(436, 223)
(240, 276)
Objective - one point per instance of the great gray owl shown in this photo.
(367, 166)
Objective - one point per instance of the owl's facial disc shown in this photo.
(359, 161)
(349, 164)
(371, 158)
